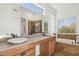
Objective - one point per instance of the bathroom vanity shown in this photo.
(27, 48)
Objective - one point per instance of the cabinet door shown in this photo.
(47, 47)
(44, 48)
(30, 52)
(53, 45)
(50, 48)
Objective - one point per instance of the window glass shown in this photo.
(67, 25)
(33, 7)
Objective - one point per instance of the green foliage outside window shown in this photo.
(45, 27)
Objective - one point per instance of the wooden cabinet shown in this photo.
(47, 46)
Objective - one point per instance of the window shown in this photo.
(33, 7)
(67, 25)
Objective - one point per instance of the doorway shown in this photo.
(34, 27)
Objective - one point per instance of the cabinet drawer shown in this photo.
(30, 52)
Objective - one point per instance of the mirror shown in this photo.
(34, 27)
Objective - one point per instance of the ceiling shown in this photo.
(58, 6)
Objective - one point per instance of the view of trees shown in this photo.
(67, 25)
(45, 27)
(67, 29)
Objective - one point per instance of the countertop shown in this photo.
(5, 45)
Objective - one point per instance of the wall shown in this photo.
(9, 19)
(24, 15)
(52, 24)
(51, 17)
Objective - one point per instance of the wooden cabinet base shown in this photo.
(47, 47)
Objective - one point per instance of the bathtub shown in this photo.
(67, 41)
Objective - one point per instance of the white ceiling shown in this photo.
(58, 6)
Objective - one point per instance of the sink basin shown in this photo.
(17, 40)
